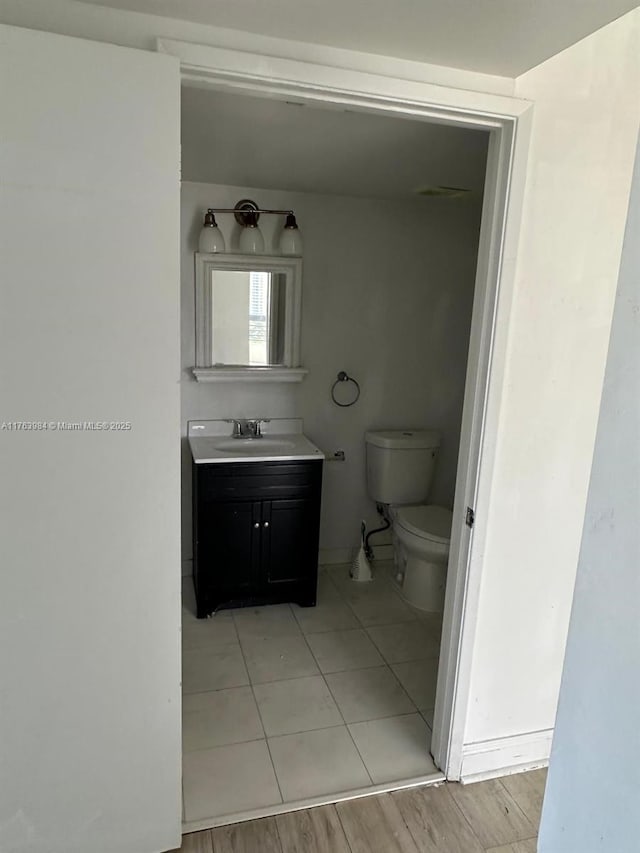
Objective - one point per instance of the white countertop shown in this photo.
(211, 441)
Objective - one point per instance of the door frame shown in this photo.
(508, 121)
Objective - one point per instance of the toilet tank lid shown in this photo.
(409, 439)
(429, 522)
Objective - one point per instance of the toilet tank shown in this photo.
(400, 464)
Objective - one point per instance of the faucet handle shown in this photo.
(253, 426)
(237, 426)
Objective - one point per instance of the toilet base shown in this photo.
(421, 582)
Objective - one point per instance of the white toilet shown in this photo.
(400, 465)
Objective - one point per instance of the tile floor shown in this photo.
(283, 703)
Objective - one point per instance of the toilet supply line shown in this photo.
(387, 524)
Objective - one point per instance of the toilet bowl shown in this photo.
(421, 537)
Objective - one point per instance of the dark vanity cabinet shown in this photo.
(255, 533)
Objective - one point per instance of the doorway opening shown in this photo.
(401, 280)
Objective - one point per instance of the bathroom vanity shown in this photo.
(256, 516)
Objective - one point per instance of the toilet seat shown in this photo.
(426, 521)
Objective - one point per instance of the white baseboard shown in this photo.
(326, 557)
(335, 556)
(504, 756)
(383, 552)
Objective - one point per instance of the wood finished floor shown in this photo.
(498, 816)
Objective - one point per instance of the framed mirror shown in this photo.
(248, 317)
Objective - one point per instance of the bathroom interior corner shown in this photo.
(283, 704)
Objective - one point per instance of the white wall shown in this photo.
(587, 104)
(591, 799)
(141, 31)
(89, 521)
(387, 294)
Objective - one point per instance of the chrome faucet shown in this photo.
(247, 427)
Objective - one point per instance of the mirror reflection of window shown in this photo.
(247, 317)
(259, 320)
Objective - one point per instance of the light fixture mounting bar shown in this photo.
(252, 210)
(247, 212)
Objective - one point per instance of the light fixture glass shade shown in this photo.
(251, 240)
(291, 239)
(211, 239)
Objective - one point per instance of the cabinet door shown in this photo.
(229, 546)
(289, 540)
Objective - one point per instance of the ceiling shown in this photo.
(258, 142)
(505, 37)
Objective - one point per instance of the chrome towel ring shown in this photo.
(344, 377)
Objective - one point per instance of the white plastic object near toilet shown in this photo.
(400, 466)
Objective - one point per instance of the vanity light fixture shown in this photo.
(247, 213)
(290, 239)
(211, 239)
(251, 239)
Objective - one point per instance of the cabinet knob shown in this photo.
(257, 524)
(266, 524)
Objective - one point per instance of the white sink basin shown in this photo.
(270, 448)
(261, 446)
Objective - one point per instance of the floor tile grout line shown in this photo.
(335, 701)
(347, 602)
(244, 660)
(372, 719)
(368, 625)
(346, 726)
(224, 745)
(302, 731)
(275, 772)
(216, 690)
(352, 795)
(268, 737)
(364, 763)
(313, 657)
(252, 740)
(306, 731)
(187, 693)
(278, 637)
(403, 688)
(385, 581)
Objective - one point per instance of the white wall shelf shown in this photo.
(249, 374)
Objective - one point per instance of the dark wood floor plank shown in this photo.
(493, 814)
(197, 842)
(312, 831)
(435, 822)
(254, 836)
(375, 825)
(527, 789)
